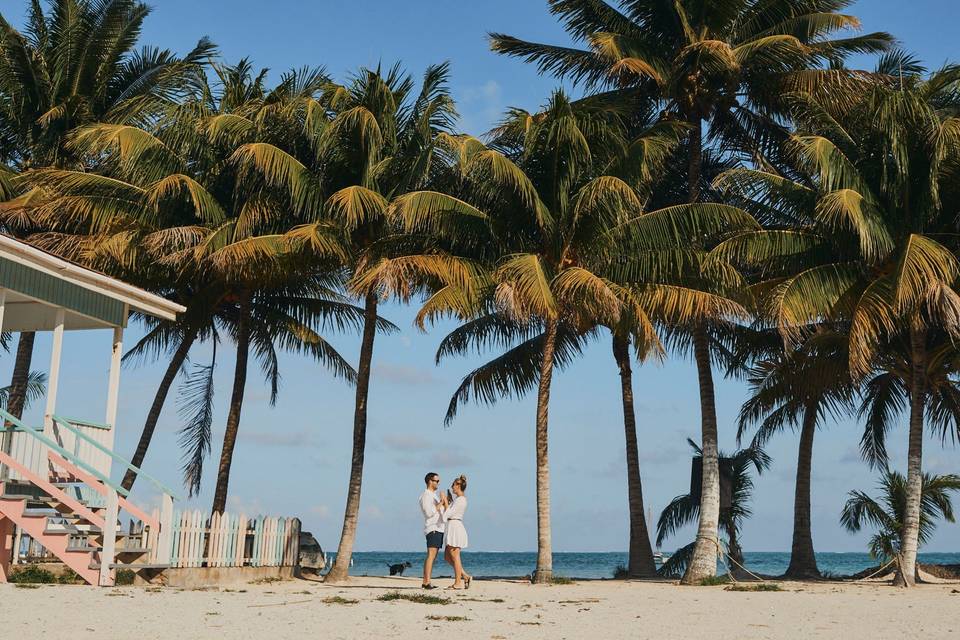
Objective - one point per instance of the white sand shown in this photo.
(295, 609)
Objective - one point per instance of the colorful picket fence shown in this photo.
(226, 540)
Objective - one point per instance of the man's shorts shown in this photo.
(434, 540)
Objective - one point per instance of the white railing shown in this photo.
(225, 540)
(32, 452)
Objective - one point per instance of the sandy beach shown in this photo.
(489, 610)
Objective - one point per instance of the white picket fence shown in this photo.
(226, 540)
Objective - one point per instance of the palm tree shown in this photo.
(181, 217)
(682, 510)
(640, 560)
(568, 249)
(365, 144)
(867, 241)
(723, 62)
(73, 65)
(794, 389)
(889, 514)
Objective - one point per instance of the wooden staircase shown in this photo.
(71, 507)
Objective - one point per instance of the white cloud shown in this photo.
(372, 512)
(406, 442)
(449, 458)
(403, 374)
(292, 439)
(480, 106)
(250, 508)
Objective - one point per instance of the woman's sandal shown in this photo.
(466, 582)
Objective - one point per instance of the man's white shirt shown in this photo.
(430, 506)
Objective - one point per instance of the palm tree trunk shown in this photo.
(803, 561)
(21, 373)
(341, 566)
(906, 576)
(153, 416)
(736, 552)
(236, 405)
(18, 390)
(544, 572)
(703, 563)
(640, 563)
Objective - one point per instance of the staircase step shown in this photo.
(83, 549)
(41, 513)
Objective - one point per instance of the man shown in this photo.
(432, 508)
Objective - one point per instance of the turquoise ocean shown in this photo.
(600, 565)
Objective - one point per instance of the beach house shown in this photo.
(55, 478)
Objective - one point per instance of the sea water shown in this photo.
(598, 565)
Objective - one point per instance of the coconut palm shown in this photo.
(568, 249)
(869, 240)
(724, 63)
(364, 144)
(72, 65)
(683, 510)
(888, 514)
(799, 389)
(180, 215)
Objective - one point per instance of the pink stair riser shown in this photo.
(36, 526)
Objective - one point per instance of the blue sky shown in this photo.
(294, 459)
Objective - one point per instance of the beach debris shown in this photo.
(419, 598)
(448, 618)
(763, 586)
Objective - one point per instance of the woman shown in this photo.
(455, 534)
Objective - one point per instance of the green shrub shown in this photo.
(713, 581)
(32, 574)
(125, 577)
(620, 573)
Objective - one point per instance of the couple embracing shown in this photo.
(443, 526)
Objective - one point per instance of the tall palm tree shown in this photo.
(365, 144)
(888, 515)
(869, 240)
(73, 65)
(640, 560)
(568, 249)
(720, 62)
(799, 389)
(682, 510)
(182, 218)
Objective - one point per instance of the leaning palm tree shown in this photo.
(799, 389)
(888, 515)
(72, 65)
(868, 239)
(682, 510)
(725, 63)
(567, 249)
(364, 144)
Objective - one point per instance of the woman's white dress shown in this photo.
(455, 534)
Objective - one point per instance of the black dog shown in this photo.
(397, 569)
